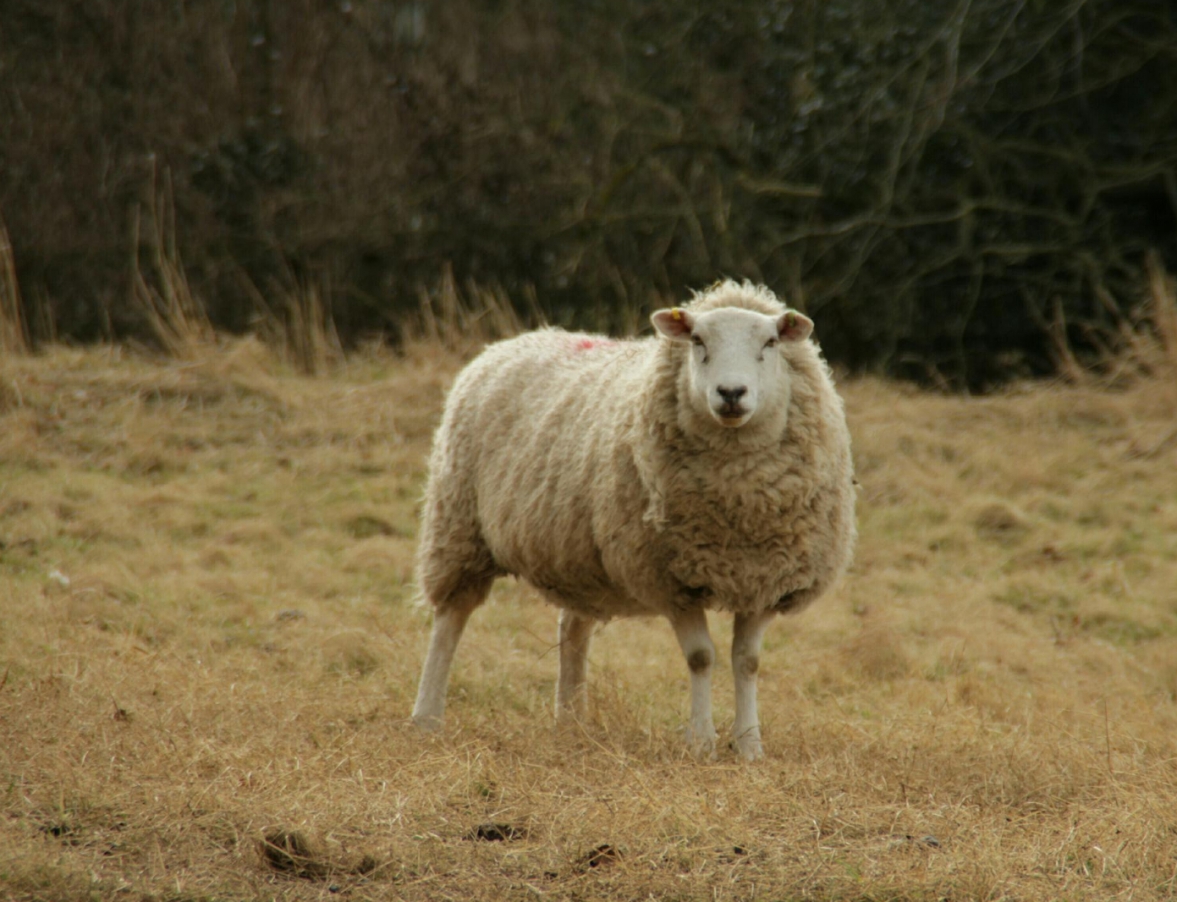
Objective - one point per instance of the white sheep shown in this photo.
(706, 469)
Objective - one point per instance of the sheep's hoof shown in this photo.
(702, 743)
(427, 723)
(569, 724)
(749, 747)
(570, 714)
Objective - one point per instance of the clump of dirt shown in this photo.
(1002, 521)
(290, 852)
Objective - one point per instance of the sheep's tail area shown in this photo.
(454, 566)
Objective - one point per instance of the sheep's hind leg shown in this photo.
(690, 627)
(449, 620)
(747, 635)
(575, 633)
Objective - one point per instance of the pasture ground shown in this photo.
(209, 650)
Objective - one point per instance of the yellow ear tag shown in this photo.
(676, 314)
(790, 320)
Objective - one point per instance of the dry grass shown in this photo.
(299, 328)
(1140, 344)
(461, 321)
(14, 333)
(163, 296)
(209, 652)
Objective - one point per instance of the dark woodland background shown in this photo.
(946, 186)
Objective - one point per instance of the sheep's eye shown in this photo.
(698, 343)
(771, 343)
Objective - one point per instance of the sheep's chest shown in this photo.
(743, 549)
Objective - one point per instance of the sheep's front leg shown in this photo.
(747, 636)
(575, 633)
(690, 627)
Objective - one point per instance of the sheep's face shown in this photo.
(736, 368)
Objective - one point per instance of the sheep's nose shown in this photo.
(732, 395)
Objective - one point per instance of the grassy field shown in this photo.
(209, 650)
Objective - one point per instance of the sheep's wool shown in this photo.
(574, 462)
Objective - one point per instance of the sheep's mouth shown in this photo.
(732, 415)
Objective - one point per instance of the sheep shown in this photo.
(705, 468)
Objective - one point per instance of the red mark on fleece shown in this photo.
(587, 344)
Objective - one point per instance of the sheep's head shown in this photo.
(736, 368)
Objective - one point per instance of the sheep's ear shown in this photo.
(674, 323)
(794, 326)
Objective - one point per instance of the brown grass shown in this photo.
(162, 295)
(14, 333)
(209, 652)
(299, 328)
(1140, 344)
(461, 321)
